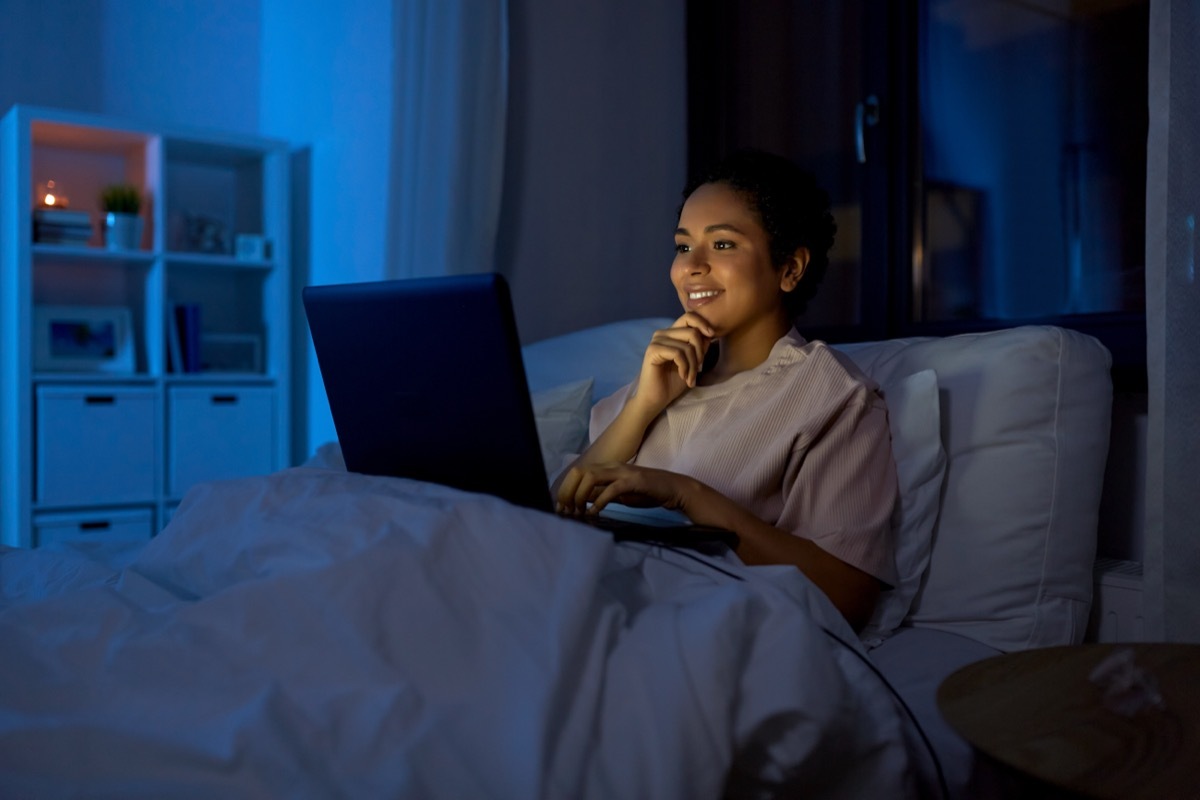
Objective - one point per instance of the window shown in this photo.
(986, 158)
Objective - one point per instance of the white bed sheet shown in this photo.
(915, 661)
(315, 633)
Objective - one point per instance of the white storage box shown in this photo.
(101, 526)
(218, 432)
(95, 444)
(1117, 612)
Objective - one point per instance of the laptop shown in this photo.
(425, 380)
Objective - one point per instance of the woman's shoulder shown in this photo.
(817, 361)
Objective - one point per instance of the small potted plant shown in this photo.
(121, 203)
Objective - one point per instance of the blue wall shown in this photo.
(326, 85)
(315, 72)
(596, 142)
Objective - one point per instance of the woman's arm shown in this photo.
(852, 591)
(669, 368)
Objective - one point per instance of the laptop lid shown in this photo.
(425, 381)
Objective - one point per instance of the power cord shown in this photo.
(937, 763)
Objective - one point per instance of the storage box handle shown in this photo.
(224, 399)
(98, 525)
(100, 399)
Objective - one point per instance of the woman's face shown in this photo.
(722, 268)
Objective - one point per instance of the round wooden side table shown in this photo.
(1038, 712)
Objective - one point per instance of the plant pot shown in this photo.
(122, 231)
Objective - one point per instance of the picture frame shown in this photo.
(251, 247)
(231, 353)
(83, 339)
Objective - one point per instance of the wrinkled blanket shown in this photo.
(314, 633)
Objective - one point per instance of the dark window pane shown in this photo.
(787, 77)
(1033, 158)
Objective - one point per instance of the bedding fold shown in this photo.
(316, 633)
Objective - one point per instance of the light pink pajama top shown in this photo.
(802, 441)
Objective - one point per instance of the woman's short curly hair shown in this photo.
(791, 206)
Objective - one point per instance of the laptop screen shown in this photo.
(425, 381)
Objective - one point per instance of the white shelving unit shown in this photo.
(107, 453)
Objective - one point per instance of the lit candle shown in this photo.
(50, 196)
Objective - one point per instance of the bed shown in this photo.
(316, 633)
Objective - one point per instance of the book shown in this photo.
(60, 238)
(187, 320)
(62, 216)
(54, 227)
(61, 227)
(174, 346)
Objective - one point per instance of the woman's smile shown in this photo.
(701, 297)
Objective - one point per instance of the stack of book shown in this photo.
(61, 226)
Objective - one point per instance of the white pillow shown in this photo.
(1025, 418)
(611, 354)
(561, 415)
(914, 417)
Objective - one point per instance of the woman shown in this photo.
(736, 420)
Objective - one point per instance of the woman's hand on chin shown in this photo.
(672, 361)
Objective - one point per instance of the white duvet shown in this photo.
(315, 633)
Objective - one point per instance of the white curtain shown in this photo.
(1172, 546)
(450, 80)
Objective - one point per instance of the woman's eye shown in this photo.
(724, 244)
(680, 247)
